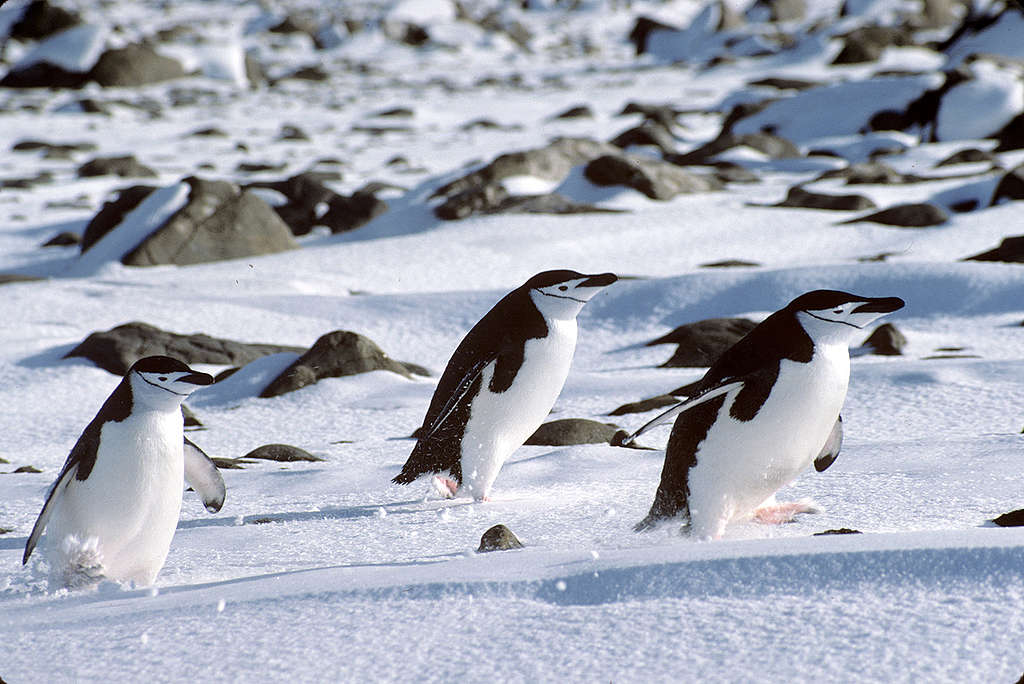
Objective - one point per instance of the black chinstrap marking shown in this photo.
(180, 394)
(830, 320)
(548, 294)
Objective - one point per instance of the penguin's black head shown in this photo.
(831, 311)
(166, 374)
(566, 284)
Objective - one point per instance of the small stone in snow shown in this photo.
(498, 538)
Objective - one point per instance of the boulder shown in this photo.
(115, 350)
(867, 43)
(805, 199)
(1010, 187)
(569, 431)
(1011, 136)
(125, 167)
(134, 65)
(281, 453)
(870, 173)
(642, 29)
(219, 221)
(645, 405)
(702, 342)
(649, 133)
(113, 212)
(336, 354)
(777, 10)
(772, 146)
(970, 155)
(578, 112)
(311, 203)
(1011, 250)
(498, 538)
(918, 215)
(656, 179)
(663, 115)
(1011, 519)
(885, 340)
(41, 20)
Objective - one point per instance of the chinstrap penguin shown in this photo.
(766, 410)
(501, 382)
(112, 511)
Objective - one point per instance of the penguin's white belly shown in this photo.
(741, 464)
(499, 423)
(131, 500)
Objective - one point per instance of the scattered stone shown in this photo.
(782, 83)
(113, 212)
(569, 431)
(498, 538)
(886, 340)
(7, 278)
(648, 133)
(805, 199)
(134, 65)
(728, 172)
(919, 215)
(866, 44)
(1010, 250)
(645, 405)
(663, 115)
(971, 155)
(395, 113)
(1011, 137)
(296, 23)
(190, 418)
(6, 530)
(870, 173)
(1011, 519)
(65, 238)
(642, 30)
(841, 530)
(314, 72)
(115, 350)
(1010, 187)
(311, 203)
(230, 463)
(126, 167)
(27, 183)
(43, 75)
(212, 132)
(41, 20)
(26, 469)
(773, 146)
(281, 453)
(656, 179)
(578, 112)
(702, 342)
(260, 167)
(336, 354)
(292, 132)
(777, 10)
(730, 263)
(53, 150)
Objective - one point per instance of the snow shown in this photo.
(75, 49)
(326, 571)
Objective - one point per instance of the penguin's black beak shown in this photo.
(197, 378)
(880, 305)
(600, 280)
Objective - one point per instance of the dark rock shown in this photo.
(7, 278)
(568, 431)
(52, 150)
(1010, 187)
(134, 65)
(552, 203)
(190, 419)
(663, 115)
(314, 72)
(841, 530)
(778, 10)
(773, 146)
(292, 132)
(702, 342)
(579, 112)
(26, 469)
(296, 23)
(644, 405)
(970, 155)
(307, 197)
(730, 263)
(648, 133)
(867, 43)
(334, 355)
(870, 173)
(126, 167)
(498, 538)
(964, 206)
(212, 132)
(728, 172)
(396, 113)
(41, 178)
(219, 221)
(798, 197)
(41, 19)
(886, 340)
(6, 530)
(260, 167)
(43, 75)
(782, 83)
(63, 239)
(115, 350)
(1011, 137)
(907, 216)
(656, 179)
(1011, 519)
(282, 453)
(113, 212)
(230, 463)
(642, 29)
(1010, 250)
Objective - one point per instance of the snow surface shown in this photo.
(328, 572)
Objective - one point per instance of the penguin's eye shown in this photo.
(563, 288)
(162, 378)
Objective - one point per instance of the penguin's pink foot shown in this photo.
(444, 486)
(783, 513)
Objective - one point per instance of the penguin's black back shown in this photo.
(116, 408)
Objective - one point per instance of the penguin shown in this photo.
(501, 382)
(113, 509)
(765, 411)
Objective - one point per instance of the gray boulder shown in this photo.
(1010, 186)
(885, 340)
(1010, 250)
(126, 167)
(656, 179)
(917, 215)
(702, 342)
(645, 405)
(805, 199)
(41, 20)
(113, 212)
(134, 65)
(281, 453)
(569, 431)
(115, 350)
(498, 538)
(311, 203)
(334, 355)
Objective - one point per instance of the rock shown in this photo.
(920, 215)
(395, 113)
(134, 65)
(642, 29)
(1011, 136)
(569, 431)
(41, 178)
(6, 530)
(126, 167)
(798, 197)
(649, 133)
(702, 342)
(314, 72)
(115, 350)
(65, 238)
(498, 538)
(334, 355)
(870, 173)
(728, 172)
(1011, 250)
(296, 23)
(785, 83)
(219, 221)
(656, 179)
(229, 463)
(53, 150)
(841, 530)
(730, 263)
(886, 340)
(7, 278)
(282, 453)
(190, 419)
(663, 115)
(43, 75)
(292, 132)
(867, 43)
(41, 19)
(971, 155)
(1011, 519)
(578, 112)
(777, 10)
(1010, 187)
(644, 405)
(113, 212)
(26, 469)
(773, 146)
(311, 203)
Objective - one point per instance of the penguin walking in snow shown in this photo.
(767, 409)
(113, 509)
(501, 382)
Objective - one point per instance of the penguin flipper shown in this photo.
(682, 406)
(830, 451)
(202, 475)
(44, 515)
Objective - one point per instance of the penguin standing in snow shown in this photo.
(764, 411)
(501, 382)
(113, 509)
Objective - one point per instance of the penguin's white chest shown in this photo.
(131, 500)
(500, 422)
(740, 464)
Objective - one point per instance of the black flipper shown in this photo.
(830, 451)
